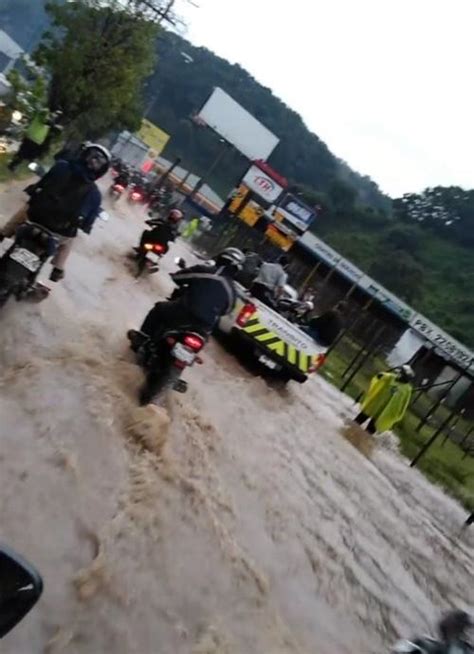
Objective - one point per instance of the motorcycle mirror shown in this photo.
(180, 262)
(20, 588)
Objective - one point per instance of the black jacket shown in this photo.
(162, 231)
(207, 295)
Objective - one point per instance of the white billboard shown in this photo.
(237, 126)
(262, 184)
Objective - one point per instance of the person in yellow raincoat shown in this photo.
(386, 400)
(191, 228)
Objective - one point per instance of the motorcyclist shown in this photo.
(163, 230)
(207, 294)
(65, 200)
(453, 637)
(123, 177)
(250, 269)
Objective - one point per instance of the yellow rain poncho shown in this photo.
(191, 228)
(387, 400)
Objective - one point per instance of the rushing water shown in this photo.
(248, 524)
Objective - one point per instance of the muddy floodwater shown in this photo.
(244, 522)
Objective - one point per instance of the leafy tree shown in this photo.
(29, 93)
(403, 237)
(447, 211)
(98, 55)
(399, 272)
(182, 84)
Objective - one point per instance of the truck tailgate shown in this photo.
(280, 337)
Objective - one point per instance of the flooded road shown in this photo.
(257, 528)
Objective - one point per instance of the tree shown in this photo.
(400, 273)
(98, 55)
(403, 237)
(447, 211)
(29, 92)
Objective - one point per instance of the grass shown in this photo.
(6, 175)
(443, 463)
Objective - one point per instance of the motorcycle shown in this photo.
(116, 190)
(148, 257)
(164, 361)
(294, 310)
(21, 263)
(20, 588)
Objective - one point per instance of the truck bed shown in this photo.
(274, 337)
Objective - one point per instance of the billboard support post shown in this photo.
(223, 150)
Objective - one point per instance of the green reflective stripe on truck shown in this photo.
(274, 343)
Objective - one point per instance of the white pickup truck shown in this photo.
(277, 343)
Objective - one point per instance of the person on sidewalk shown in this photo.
(36, 138)
(65, 200)
(386, 400)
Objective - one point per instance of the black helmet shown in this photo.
(231, 259)
(454, 625)
(96, 159)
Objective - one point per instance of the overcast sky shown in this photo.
(387, 84)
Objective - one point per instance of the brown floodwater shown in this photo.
(247, 520)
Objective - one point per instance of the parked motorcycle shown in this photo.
(165, 361)
(20, 588)
(22, 262)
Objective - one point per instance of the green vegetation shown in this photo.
(98, 55)
(6, 175)
(422, 250)
(426, 262)
(443, 463)
(178, 89)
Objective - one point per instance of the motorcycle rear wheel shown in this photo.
(4, 296)
(158, 384)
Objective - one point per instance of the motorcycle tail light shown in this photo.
(194, 342)
(248, 310)
(119, 188)
(136, 196)
(159, 248)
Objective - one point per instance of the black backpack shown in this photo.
(56, 204)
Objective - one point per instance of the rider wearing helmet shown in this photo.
(207, 293)
(65, 200)
(163, 230)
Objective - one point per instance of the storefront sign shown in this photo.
(296, 212)
(262, 184)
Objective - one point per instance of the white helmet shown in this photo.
(231, 257)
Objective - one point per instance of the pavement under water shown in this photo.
(248, 519)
